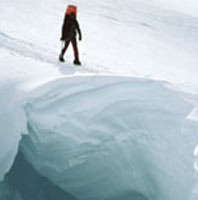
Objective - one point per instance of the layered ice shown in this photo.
(12, 122)
(101, 137)
(194, 193)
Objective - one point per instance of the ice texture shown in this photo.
(102, 137)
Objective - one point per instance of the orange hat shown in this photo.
(71, 9)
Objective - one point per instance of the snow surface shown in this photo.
(154, 39)
(137, 38)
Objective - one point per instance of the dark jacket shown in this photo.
(69, 28)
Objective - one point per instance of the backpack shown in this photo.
(71, 9)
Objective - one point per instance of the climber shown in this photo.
(69, 29)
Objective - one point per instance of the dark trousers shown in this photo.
(75, 48)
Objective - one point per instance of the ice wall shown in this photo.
(24, 182)
(194, 194)
(111, 138)
(12, 123)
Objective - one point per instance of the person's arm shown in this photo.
(79, 31)
(63, 28)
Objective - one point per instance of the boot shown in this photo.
(61, 59)
(77, 62)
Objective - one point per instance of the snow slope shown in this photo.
(185, 6)
(133, 37)
(155, 39)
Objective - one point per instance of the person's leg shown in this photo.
(76, 55)
(65, 47)
(64, 50)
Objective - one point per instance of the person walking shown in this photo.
(69, 29)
